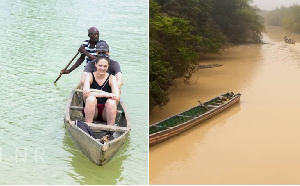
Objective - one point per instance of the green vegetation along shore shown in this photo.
(287, 17)
(183, 31)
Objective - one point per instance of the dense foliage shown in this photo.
(288, 18)
(181, 31)
(239, 21)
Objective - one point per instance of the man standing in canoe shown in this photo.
(87, 50)
(114, 68)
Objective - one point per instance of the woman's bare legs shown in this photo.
(90, 110)
(109, 112)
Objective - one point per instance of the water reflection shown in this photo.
(86, 172)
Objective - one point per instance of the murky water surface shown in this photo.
(38, 39)
(253, 142)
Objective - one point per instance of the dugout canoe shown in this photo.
(178, 123)
(289, 41)
(93, 149)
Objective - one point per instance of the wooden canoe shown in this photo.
(176, 124)
(95, 151)
(289, 41)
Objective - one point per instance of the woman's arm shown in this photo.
(119, 80)
(87, 85)
(114, 88)
(101, 93)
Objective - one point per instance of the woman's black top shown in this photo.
(105, 87)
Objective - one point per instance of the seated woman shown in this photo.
(101, 94)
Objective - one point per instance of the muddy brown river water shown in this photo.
(257, 141)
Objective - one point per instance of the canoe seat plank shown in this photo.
(185, 116)
(100, 127)
(212, 106)
(80, 108)
(76, 107)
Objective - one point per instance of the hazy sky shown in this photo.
(273, 4)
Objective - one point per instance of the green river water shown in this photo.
(37, 40)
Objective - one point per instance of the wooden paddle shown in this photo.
(66, 67)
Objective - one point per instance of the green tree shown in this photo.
(274, 17)
(199, 14)
(238, 20)
(291, 19)
(181, 31)
(287, 17)
(171, 53)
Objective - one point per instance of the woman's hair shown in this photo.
(101, 57)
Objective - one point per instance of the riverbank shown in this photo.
(210, 82)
